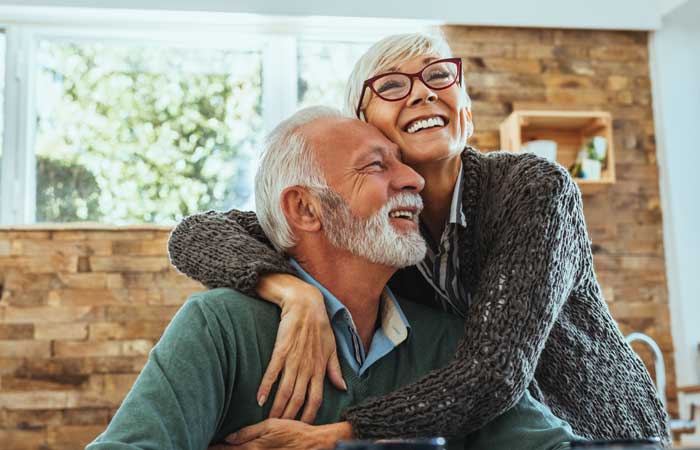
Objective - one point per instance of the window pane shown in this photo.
(2, 94)
(324, 68)
(132, 133)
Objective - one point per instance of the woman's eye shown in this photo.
(438, 75)
(389, 85)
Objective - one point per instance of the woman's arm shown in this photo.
(528, 274)
(230, 249)
(225, 249)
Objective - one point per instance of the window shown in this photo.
(324, 68)
(128, 133)
(137, 122)
(2, 93)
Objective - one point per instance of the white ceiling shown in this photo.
(589, 14)
(685, 13)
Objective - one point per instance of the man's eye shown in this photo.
(377, 164)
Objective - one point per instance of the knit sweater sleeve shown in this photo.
(526, 276)
(224, 249)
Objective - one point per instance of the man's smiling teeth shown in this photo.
(426, 123)
(402, 214)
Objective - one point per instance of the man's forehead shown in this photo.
(370, 140)
(350, 138)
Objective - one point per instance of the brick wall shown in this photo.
(79, 312)
(80, 309)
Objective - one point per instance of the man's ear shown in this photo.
(301, 209)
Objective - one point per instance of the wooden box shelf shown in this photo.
(570, 130)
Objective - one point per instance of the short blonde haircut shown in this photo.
(387, 53)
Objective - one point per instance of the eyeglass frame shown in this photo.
(368, 82)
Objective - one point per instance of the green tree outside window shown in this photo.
(144, 134)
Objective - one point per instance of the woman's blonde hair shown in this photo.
(387, 53)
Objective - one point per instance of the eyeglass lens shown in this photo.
(437, 75)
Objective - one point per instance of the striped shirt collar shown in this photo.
(456, 211)
(440, 267)
(392, 332)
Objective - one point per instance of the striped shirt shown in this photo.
(440, 267)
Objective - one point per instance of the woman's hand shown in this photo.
(286, 434)
(304, 349)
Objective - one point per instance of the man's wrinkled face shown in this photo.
(372, 203)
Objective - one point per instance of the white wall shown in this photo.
(591, 14)
(675, 60)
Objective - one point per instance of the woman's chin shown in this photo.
(419, 157)
(429, 153)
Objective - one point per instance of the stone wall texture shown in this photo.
(81, 307)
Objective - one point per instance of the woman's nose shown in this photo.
(420, 93)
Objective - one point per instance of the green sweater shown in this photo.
(200, 380)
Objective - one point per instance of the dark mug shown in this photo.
(619, 444)
(436, 443)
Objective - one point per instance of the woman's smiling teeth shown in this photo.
(422, 124)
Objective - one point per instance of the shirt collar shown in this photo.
(333, 305)
(394, 322)
(456, 211)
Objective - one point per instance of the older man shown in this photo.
(334, 195)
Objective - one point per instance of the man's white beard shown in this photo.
(373, 238)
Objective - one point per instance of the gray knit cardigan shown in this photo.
(537, 318)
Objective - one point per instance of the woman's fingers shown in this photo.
(284, 391)
(277, 362)
(313, 401)
(301, 385)
(335, 375)
(304, 350)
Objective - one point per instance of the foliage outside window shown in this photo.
(137, 131)
(144, 133)
(324, 68)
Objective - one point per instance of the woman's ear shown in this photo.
(465, 122)
(470, 123)
(301, 209)
(465, 113)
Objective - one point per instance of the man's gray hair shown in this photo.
(287, 160)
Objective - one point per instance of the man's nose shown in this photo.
(407, 179)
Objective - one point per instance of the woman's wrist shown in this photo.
(286, 290)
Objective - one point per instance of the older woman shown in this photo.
(508, 252)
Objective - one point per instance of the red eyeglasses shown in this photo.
(395, 86)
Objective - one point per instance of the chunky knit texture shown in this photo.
(537, 318)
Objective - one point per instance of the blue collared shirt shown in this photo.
(392, 332)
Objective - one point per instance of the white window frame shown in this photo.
(276, 37)
(17, 199)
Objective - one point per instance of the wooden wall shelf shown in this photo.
(570, 130)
